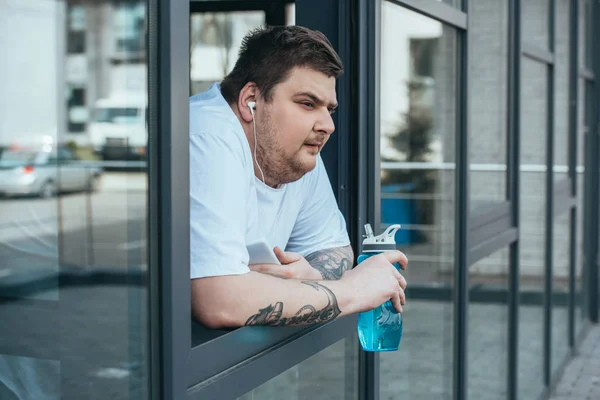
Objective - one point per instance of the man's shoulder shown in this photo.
(212, 119)
(211, 111)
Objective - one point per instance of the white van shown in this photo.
(118, 128)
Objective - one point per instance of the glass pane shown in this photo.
(561, 251)
(532, 211)
(561, 92)
(488, 327)
(487, 107)
(329, 374)
(215, 39)
(585, 34)
(535, 17)
(418, 80)
(74, 191)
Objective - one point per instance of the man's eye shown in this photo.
(308, 104)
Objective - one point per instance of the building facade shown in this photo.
(473, 124)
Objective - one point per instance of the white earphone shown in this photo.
(251, 106)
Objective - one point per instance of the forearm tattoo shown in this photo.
(308, 314)
(331, 263)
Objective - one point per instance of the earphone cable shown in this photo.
(255, 146)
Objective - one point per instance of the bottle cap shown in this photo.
(385, 241)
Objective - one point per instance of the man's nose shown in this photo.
(325, 125)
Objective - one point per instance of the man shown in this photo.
(256, 174)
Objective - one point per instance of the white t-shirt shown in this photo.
(231, 208)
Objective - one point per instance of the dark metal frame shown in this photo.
(437, 10)
(573, 143)
(461, 207)
(513, 191)
(274, 9)
(368, 27)
(185, 345)
(549, 220)
(592, 165)
(169, 194)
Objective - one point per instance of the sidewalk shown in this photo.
(581, 379)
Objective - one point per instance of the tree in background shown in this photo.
(413, 139)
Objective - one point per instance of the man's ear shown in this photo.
(248, 94)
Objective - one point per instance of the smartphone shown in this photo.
(261, 253)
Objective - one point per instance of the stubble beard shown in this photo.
(276, 166)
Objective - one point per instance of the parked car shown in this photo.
(45, 171)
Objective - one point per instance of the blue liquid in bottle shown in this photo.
(381, 328)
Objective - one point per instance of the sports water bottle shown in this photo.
(381, 328)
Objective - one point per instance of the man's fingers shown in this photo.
(402, 285)
(279, 254)
(402, 282)
(396, 256)
(256, 267)
(402, 296)
(264, 268)
(285, 257)
(273, 269)
(397, 302)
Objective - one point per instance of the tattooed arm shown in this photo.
(257, 298)
(332, 263)
(329, 264)
(263, 299)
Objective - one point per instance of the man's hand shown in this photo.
(376, 280)
(294, 266)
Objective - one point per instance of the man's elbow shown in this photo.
(218, 319)
(209, 307)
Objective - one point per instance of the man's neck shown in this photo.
(248, 128)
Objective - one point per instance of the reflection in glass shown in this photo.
(488, 105)
(330, 374)
(488, 327)
(73, 180)
(561, 92)
(585, 34)
(535, 15)
(532, 230)
(418, 72)
(561, 252)
(215, 39)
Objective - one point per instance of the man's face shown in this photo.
(295, 125)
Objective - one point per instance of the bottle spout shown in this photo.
(368, 231)
(390, 232)
(384, 241)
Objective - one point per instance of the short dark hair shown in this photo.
(268, 54)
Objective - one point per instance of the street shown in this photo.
(101, 229)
